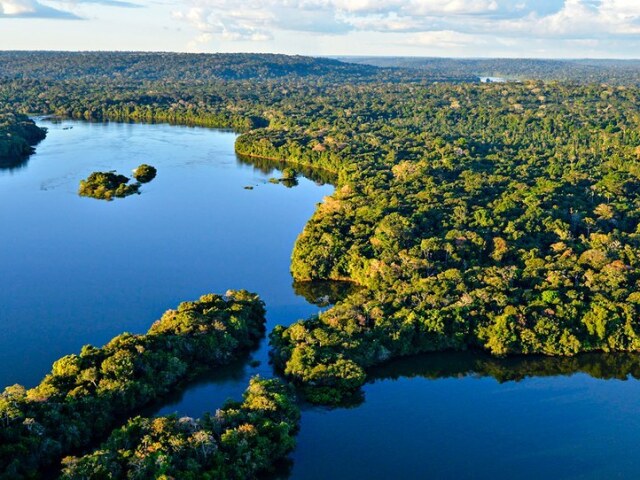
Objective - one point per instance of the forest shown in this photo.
(18, 136)
(496, 217)
(87, 395)
(192, 68)
(614, 72)
(237, 442)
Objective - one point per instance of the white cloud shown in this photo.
(53, 9)
(443, 39)
(535, 19)
(31, 9)
(16, 7)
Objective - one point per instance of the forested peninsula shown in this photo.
(18, 135)
(494, 216)
(85, 396)
(238, 442)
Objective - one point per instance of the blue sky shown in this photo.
(460, 28)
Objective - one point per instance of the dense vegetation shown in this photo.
(502, 216)
(169, 66)
(86, 395)
(145, 173)
(621, 72)
(107, 185)
(497, 216)
(239, 441)
(18, 135)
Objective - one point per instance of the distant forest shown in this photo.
(620, 72)
(188, 67)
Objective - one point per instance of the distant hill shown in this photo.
(190, 67)
(582, 71)
(196, 68)
(202, 68)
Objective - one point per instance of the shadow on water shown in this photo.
(435, 366)
(14, 159)
(475, 364)
(232, 372)
(268, 167)
(324, 294)
(19, 162)
(14, 164)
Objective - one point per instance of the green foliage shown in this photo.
(239, 441)
(18, 135)
(289, 173)
(494, 216)
(624, 72)
(498, 216)
(145, 173)
(86, 395)
(171, 66)
(106, 185)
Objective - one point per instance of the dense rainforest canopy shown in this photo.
(107, 185)
(86, 395)
(18, 135)
(502, 216)
(239, 441)
(619, 72)
(169, 66)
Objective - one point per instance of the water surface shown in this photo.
(78, 270)
(465, 415)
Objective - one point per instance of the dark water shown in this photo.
(462, 415)
(76, 271)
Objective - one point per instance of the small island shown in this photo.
(145, 173)
(106, 185)
(289, 178)
(288, 173)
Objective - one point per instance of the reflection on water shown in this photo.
(14, 164)
(470, 415)
(459, 364)
(271, 167)
(324, 294)
(78, 271)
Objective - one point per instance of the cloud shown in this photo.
(112, 3)
(63, 10)
(257, 19)
(427, 19)
(32, 9)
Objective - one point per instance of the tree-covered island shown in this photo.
(107, 185)
(110, 185)
(145, 173)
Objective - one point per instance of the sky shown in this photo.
(443, 28)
